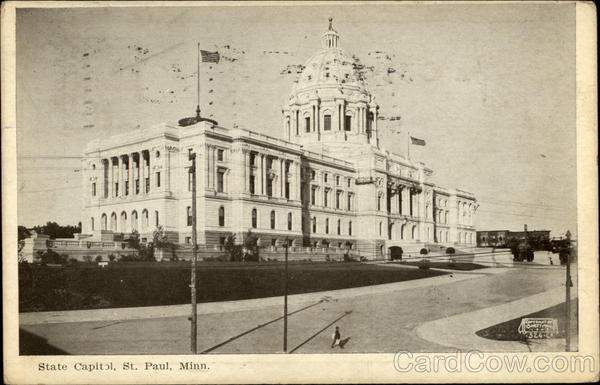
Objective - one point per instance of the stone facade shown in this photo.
(328, 183)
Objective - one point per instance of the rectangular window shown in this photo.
(327, 122)
(350, 198)
(220, 155)
(325, 198)
(147, 185)
(117, 189)
(338, 196)
(269, 187)
(158, 179)
(287, 190)
(348, 123)
(252, 184)
(94, 189)
(189, 216)
(220, 179)
(325, 177)
(307, 124)
(313, 196)
(126, 187)
(252, 159)
(188, 240)
(349, 181)
(137, 186)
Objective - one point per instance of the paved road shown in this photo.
(378, 321)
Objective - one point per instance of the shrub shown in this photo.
(50, 256)
(424, 251)
(72, 261)
(363, 258)
(111, 257)
(450, 250)
(235, 251)
(98, 258)
(87, 258)
(424, 264)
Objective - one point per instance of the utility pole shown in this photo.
(194, 318)
(285, 299)
(568, 300)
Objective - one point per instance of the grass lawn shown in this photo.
(507, 331)
(465, 266)
(87, 286)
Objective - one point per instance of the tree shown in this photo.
(23, 233)
(234, 251)
(133, 242)
(54, 230)
(160, 239)
(251, 247)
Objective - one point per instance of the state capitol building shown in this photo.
(328, 183)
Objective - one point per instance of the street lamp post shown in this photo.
(285, 298)
(194, 318)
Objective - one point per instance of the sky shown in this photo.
(489, 87)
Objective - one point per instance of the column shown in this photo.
(297, 182)
(141, 173)
(102, 184)
(314, 118)
(168, 169)
(282, 178)
(405, 199)
(261, 175)
(214, 167)
(247, 171)
(119, 177)
(207, 169)
(399, 200)
(374, 127)
(343, 117)
(131, 176)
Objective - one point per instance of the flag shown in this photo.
(210, 57)
(417, 142)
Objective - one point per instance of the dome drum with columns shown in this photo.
(330, 102)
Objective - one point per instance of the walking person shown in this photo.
(336, 337)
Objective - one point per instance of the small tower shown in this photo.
(330, 39)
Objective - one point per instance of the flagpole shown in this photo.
(198, 106)
(408, 144)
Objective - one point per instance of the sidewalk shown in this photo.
(459, 331)
(153, 312)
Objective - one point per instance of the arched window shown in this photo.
(314, 224)
(413, 233)
(273, 219)
(254, 218)
(134, 221)
(189, 215)
(326, 225)
(157, 221)
(379, 202)
(221, 216)
(339, 227)
(350, 228)
(144, 220)
(92, 223)
(103, 222)
(380, 228)
(113, 222)
(123, 223)
(289, 221)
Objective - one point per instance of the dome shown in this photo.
(329, 102)
(329, 68)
